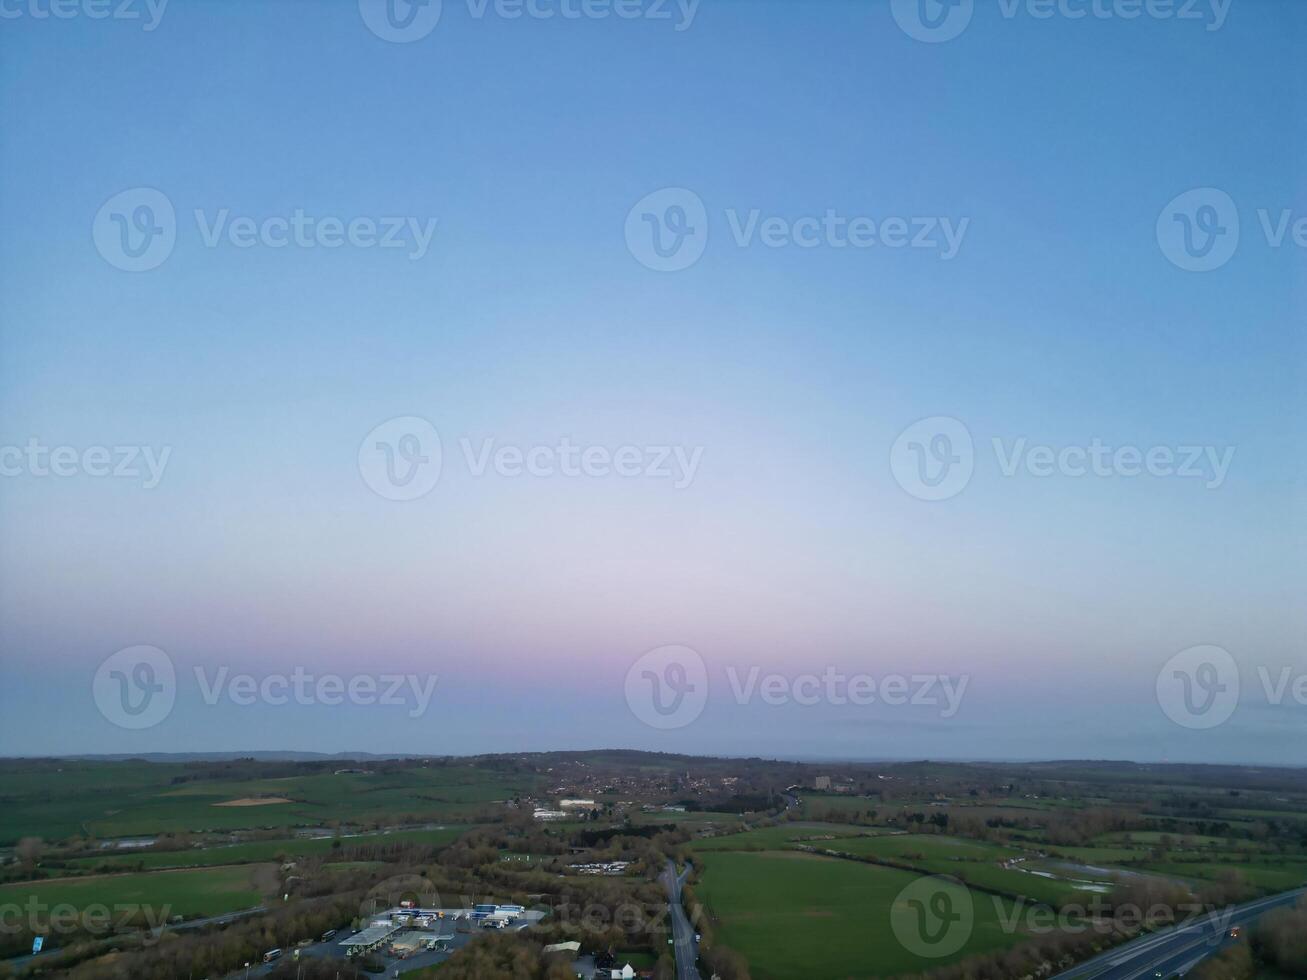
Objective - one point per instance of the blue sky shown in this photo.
(265, 546)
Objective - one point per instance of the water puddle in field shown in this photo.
(1081, 884)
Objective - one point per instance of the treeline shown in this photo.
(1042, 957)
(210, 954)
(1278, 944)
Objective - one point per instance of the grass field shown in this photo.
(267, 850)
(124, 799)
(976, 862)
(205, 892)
(1270, 876)
(779, 837)
(799, 915)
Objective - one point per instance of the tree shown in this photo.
(28, 852)
(1234, 963)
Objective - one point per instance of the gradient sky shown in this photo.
(1059, 321)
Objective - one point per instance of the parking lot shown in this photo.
(454, 921)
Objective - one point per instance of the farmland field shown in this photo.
(267, 850)
(800, 915)
(1278, 876)
(781, 836)
(975, 862)
(122, 799)
(212, 891)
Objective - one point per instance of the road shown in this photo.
(684, 948)
(215, 920)
(1174, 952)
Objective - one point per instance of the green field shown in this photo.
(976, 862)
(1274, 877)
(935, 853)
(211, 891)
(266, 850)
(124, 799)
(1097, 855)
(780, 837)
(799, 915)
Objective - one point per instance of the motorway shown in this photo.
(684, 948)
(1176, 951)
